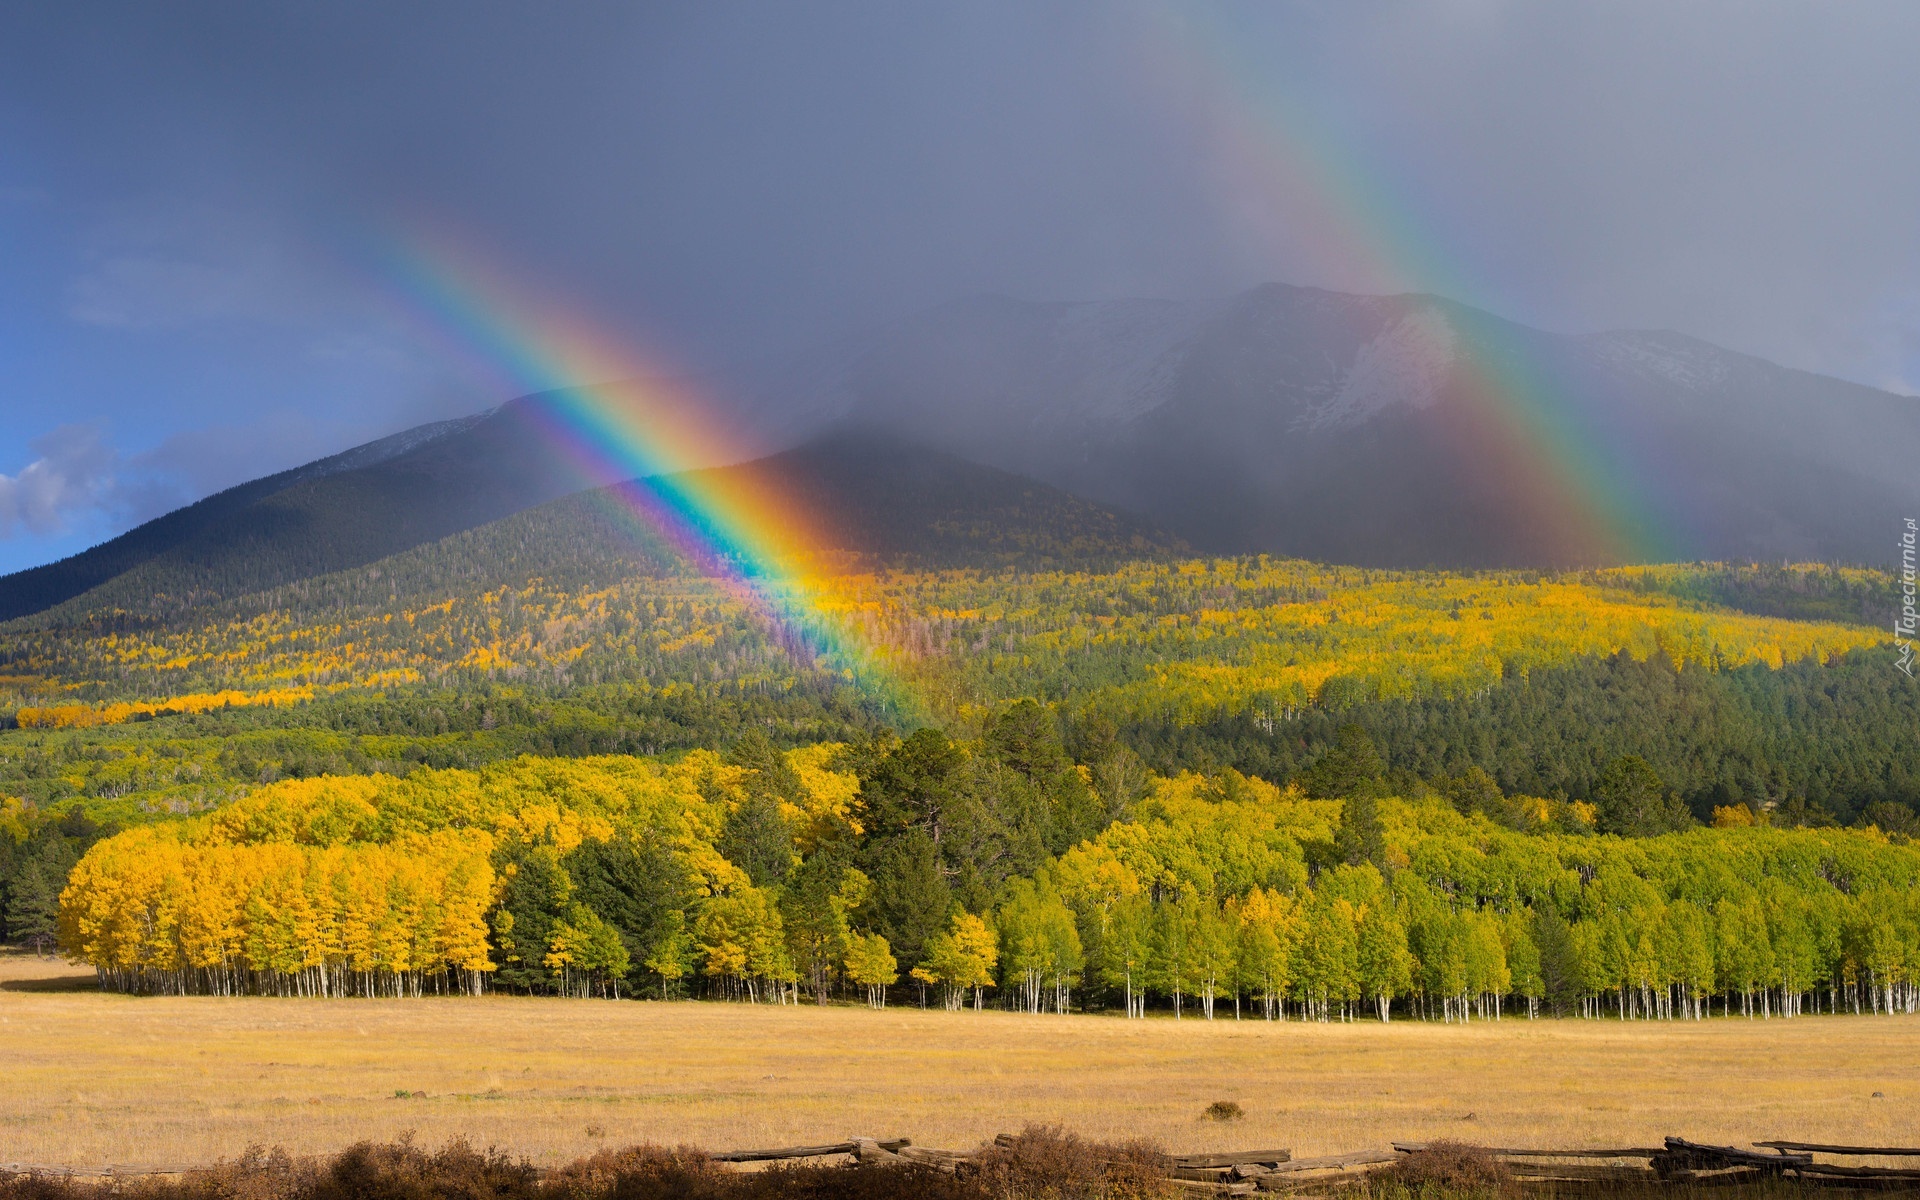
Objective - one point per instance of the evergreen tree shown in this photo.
(1562, 982)
(1350, 766)
(1634, 802)
(910, 899)
(638, 888)
(1360, 837)
(538, 895)
(757, 839)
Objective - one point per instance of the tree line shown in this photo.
(997, 869)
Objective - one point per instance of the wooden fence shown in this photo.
(1245, 1172)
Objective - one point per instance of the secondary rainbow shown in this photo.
(1584, 469)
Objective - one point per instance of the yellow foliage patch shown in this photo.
(82, 716)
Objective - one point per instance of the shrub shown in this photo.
(1043, 1161)
(1451, 1169)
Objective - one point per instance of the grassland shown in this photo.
(92, 1078)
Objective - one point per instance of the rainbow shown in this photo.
(1582, 475)
(638, 439)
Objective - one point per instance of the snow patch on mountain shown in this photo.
(1407, 364)
(1118, 360)
(1692, 365)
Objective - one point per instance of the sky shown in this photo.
(210, 212)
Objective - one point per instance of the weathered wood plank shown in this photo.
(1861, 1151)
(1511, 1152)
(1195, 1185)
(1233, 1159)
(1836, 1171)
(780, 1152)
(1297, 1181)
(1328, 1162)
(1690, 1153)
(1584, 1172)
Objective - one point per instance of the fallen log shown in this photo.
(870, 1153)
(1836, 1171)
(1195, 1185)
(1718, 1176)
(1580, 1172)
(1860, 1151)
(940, 1160)
(1199, 1174)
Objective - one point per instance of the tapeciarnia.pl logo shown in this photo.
(1907, 621)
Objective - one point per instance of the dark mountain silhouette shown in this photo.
(339, 512)
(879, 495)
(42, 587)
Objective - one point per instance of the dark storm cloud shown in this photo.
(197, 200)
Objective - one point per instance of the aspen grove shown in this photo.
(927, 870)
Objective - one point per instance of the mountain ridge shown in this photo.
(858, 492)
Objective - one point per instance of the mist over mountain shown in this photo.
(1393, 430)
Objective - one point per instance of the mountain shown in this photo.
(1390, 430)
(524, 513)
(1377, 430)
(342, 511)
(42, 587)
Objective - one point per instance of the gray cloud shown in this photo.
(206, 207)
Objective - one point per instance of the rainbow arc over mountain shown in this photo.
(1578, 468)
(637, 437)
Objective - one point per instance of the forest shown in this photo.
(997, 870)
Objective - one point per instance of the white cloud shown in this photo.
(72, 476)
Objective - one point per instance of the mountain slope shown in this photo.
(339, 512)
(884, 497)
(42, 587)
(861, 493)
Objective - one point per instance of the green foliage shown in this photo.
(1349, 767)
(641, 890)
(36, 854)
(1632, 800)
(1806, 737)
(910, 898)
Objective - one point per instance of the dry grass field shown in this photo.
(87, 1079)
